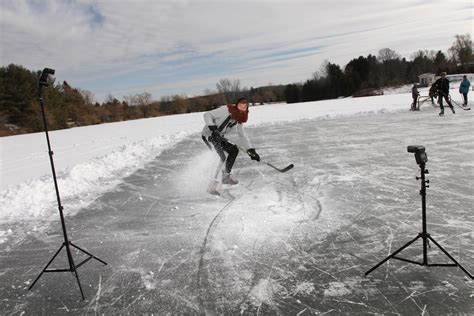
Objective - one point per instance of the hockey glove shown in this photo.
(253, 154)
(212, 128)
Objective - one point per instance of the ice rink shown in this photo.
(295, 243)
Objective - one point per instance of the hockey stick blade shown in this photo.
(289, 167)
(465, 108)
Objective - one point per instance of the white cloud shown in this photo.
(106, 46)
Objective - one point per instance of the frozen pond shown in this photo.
(292, 243)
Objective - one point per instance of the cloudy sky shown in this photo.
(165, 47)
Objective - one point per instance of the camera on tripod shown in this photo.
(420, 154)
(47, 77)
(421, 158)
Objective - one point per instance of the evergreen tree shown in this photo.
(292, 93)
(18, 88)
(335, 81)
(357, 73)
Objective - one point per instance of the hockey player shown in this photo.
(415, 94)
(442, 85)
(464, 89)
(224, 121)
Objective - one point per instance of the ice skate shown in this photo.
(213, 188)
(227, 179)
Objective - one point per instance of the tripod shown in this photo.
(423, 235)
(66, 244)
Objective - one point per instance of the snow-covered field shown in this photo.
(293, 243)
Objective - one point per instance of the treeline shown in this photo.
(364, 76)
(228, 91)
(66, 106)
(20, 110)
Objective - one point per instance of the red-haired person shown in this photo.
(224, 121)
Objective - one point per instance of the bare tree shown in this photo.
(130, 99)
(461, 50)
(87, 96)
(165, 98)
(386, 54)
(180, 104)
(110, 98)
(419, 54)
(322, 70)
(143, 100)
(230, 88)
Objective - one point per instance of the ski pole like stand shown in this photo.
(421, 159)
(45, 79)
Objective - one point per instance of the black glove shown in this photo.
(212, 128)
(253, 154)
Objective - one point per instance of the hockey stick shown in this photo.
(465, 108)
(289, 167)
(459, 105)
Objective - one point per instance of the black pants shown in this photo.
(222, 147)
(414, 106)
(464, 95)
(440, 100)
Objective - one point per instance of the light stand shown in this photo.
(421, 159)
(43, 82)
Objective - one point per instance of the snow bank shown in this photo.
(82, 183)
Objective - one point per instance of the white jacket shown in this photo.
(217, 117)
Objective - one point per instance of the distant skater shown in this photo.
(464, 89)
(433, 93)
(442, 86)
(414, 94)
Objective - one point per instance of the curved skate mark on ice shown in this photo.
(202, 278)
(304, 194)
(200, 273)
(316, 211)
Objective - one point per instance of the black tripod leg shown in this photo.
(450, 257)
(88, 253)
(393, 254)
(78, 282)
(52, 259)
(73, 268)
